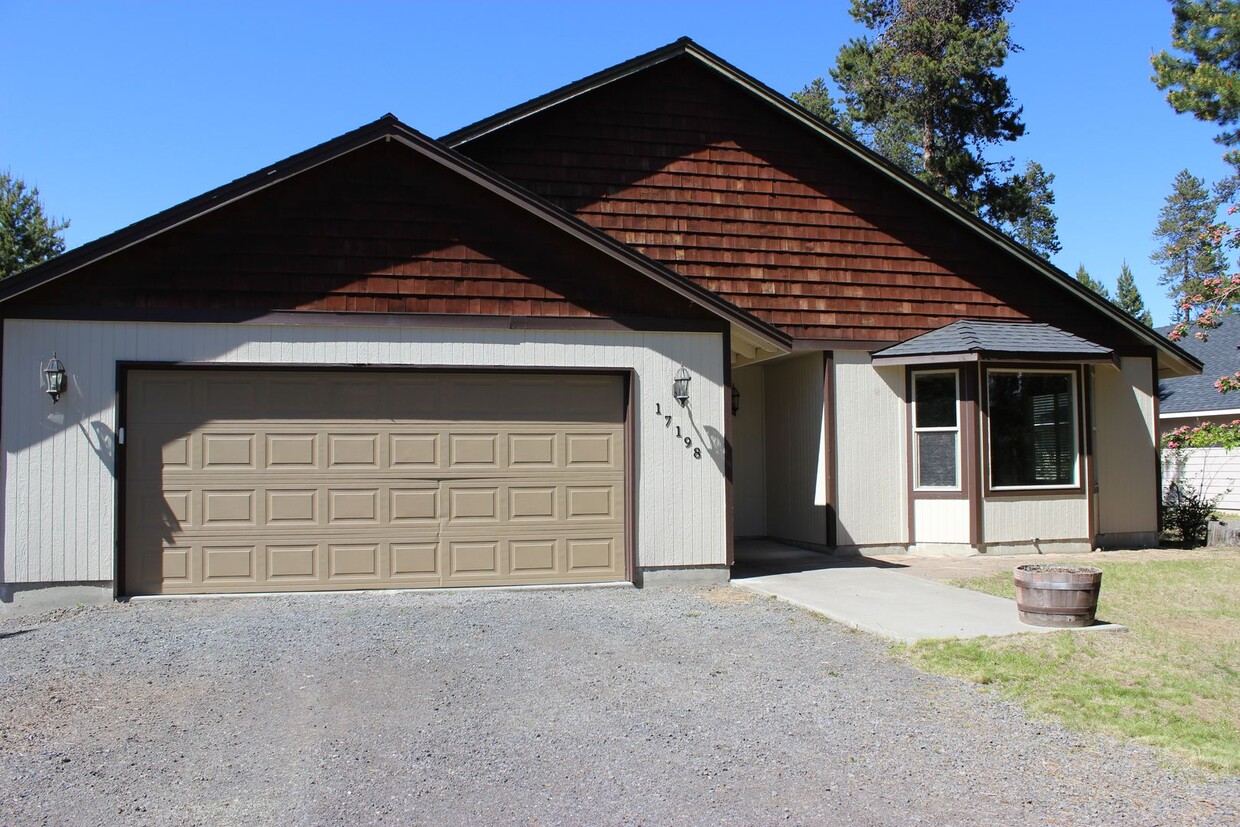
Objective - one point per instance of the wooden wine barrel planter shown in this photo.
(1061, 596)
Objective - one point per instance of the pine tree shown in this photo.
(816, 98)
(27, 235)
(1202, 78)
(1089, 281)
(1038, 229)
(1187, 255)
(925, 91)
(1128, 297)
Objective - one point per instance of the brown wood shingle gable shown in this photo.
(381, 229)
(687, 167)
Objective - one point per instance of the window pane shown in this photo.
(935, 396)
(936, 459)
(1032, 432)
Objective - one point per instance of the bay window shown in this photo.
(1032, 418)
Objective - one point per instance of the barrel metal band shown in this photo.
(1062, 587)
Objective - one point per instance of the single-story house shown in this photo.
(597, 337)
(1194, 400)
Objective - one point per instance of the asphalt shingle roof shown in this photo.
(1220, 356)
(997, 338)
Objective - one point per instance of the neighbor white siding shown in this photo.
(871, 452)
(59, 492)
(1213, 471)
(1125, 455)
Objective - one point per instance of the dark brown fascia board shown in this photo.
(333, 318)
(996, 358)
(390, 128)
(178, 214)
(1180, 359)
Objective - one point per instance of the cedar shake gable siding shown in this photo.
(685, 165)
(379, 229)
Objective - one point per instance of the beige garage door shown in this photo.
(240, 481)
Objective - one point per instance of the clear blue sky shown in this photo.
(117, 110)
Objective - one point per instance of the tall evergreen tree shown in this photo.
(1038, 229)
(925, 91)
(817, 98)
(1203, 77)
(1186, 254)
(1128, 297)
(1093, 284)
(27, 235)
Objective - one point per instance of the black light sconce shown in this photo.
(54, 378)
(736, 400)
(680, 386)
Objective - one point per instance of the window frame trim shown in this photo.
(958, 430)
(1078, 433)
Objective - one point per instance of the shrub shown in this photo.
(1186, 513)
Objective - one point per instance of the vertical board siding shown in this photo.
(1124, 447)
(1034, 520)
(941, 520)
(749, 453)
(59, 460)
(793, 420)
(871, 460)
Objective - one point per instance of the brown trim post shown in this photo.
(972, 450)
(1158, 480)
(729, 515)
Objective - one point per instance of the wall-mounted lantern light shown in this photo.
(54, 378)
(680, 386)
(736, 400)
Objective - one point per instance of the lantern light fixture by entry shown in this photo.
(54, 378)
(736, 400)
(680, 386)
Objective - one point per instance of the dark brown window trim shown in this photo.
(961, 436)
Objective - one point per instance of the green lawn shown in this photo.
(1173, 680)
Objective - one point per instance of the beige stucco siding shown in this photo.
(749, 453)
(871, 452)
(1125, 455)
(1036, 518)
(793, 420)
(60, 495)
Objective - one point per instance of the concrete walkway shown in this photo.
(876, 596)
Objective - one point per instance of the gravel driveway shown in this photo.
(604, 706)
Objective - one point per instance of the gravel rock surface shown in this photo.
(600, 706)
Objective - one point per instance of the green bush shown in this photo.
(1186, 513)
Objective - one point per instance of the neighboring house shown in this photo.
(1193, 400)
(391, 361)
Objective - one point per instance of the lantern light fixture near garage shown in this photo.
(680, 386)
(736, 400)
(54, 378)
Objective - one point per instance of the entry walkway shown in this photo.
(875, 595)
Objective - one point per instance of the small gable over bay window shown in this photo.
(1030, 404)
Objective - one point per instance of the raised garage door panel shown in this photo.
(287, 481)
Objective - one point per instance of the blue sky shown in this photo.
(118, 110)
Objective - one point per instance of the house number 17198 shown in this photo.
(667, 423)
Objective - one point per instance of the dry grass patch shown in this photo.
(1172, 681)
(730, 596)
